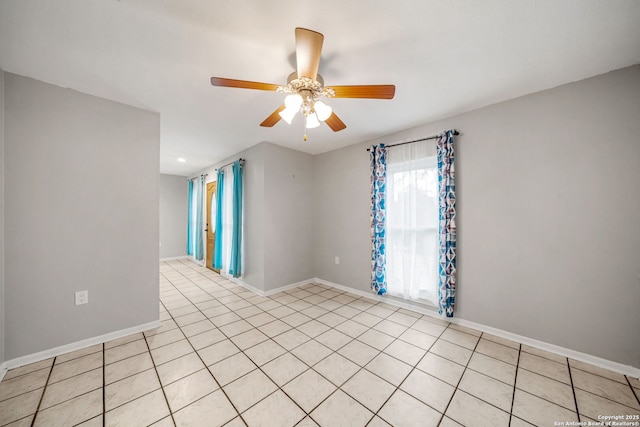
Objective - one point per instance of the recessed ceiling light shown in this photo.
(181, 160)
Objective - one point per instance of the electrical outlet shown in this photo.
(82, 297)
(337, 260)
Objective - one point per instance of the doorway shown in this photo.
(211, 224)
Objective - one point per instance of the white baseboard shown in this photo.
(175, 258)
(288, 287)
(262, 293)
(244, 284)
(418, 308)
(78, 345)
(3, 370)
(552, 348)
(562, 351)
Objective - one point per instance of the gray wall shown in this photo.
(253, 251)
(278, 219)
(2, 304)
(548, 215)
(81, 212)
(173, 215)
(341, 205)
(288, 232)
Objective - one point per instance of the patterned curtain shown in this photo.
(447, 224)
(378, 162)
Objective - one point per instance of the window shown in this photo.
(412, 221)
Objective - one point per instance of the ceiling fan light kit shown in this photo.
(305, 87)
(303, 98)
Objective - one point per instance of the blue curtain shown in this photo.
(447, 224)
(217, 251)
(235, 263)
(378, 163)
(190, 220)
(199, 251)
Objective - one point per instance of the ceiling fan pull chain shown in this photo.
(305, 130)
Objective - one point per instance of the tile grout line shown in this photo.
(164, 394)
(594, 373)
(67, 400)
(577, 368)
(460, 380)
(324, 358)
(601, 397)
(286, 351)
(198, 354)
(546, 375)
(311, 338)
(395, 338)
(632, 389)
(571, 385)
(333, 327)
(35, 415)
(596, 394)
(515, 381)
(279, 388)
(360, 367)
(536, 373)
(413, 368)
(379, 351)
(243, 351)
(310, 367)
(573, 390)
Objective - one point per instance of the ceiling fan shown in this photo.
(305, 88)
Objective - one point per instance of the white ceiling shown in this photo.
(445, 57)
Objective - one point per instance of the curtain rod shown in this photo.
(241, 160)
(197, 176)
(455, 132)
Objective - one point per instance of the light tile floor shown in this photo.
(306, 357)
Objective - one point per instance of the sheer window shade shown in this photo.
(412, 221)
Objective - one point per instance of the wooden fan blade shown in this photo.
(243, 84)
(308, 50)
(273, 118)
(335, 123)
(365, 91)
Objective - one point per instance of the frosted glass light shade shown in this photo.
(292, 104)
(323, 111)
(312, 121)
(287, 114)
(293, 101)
